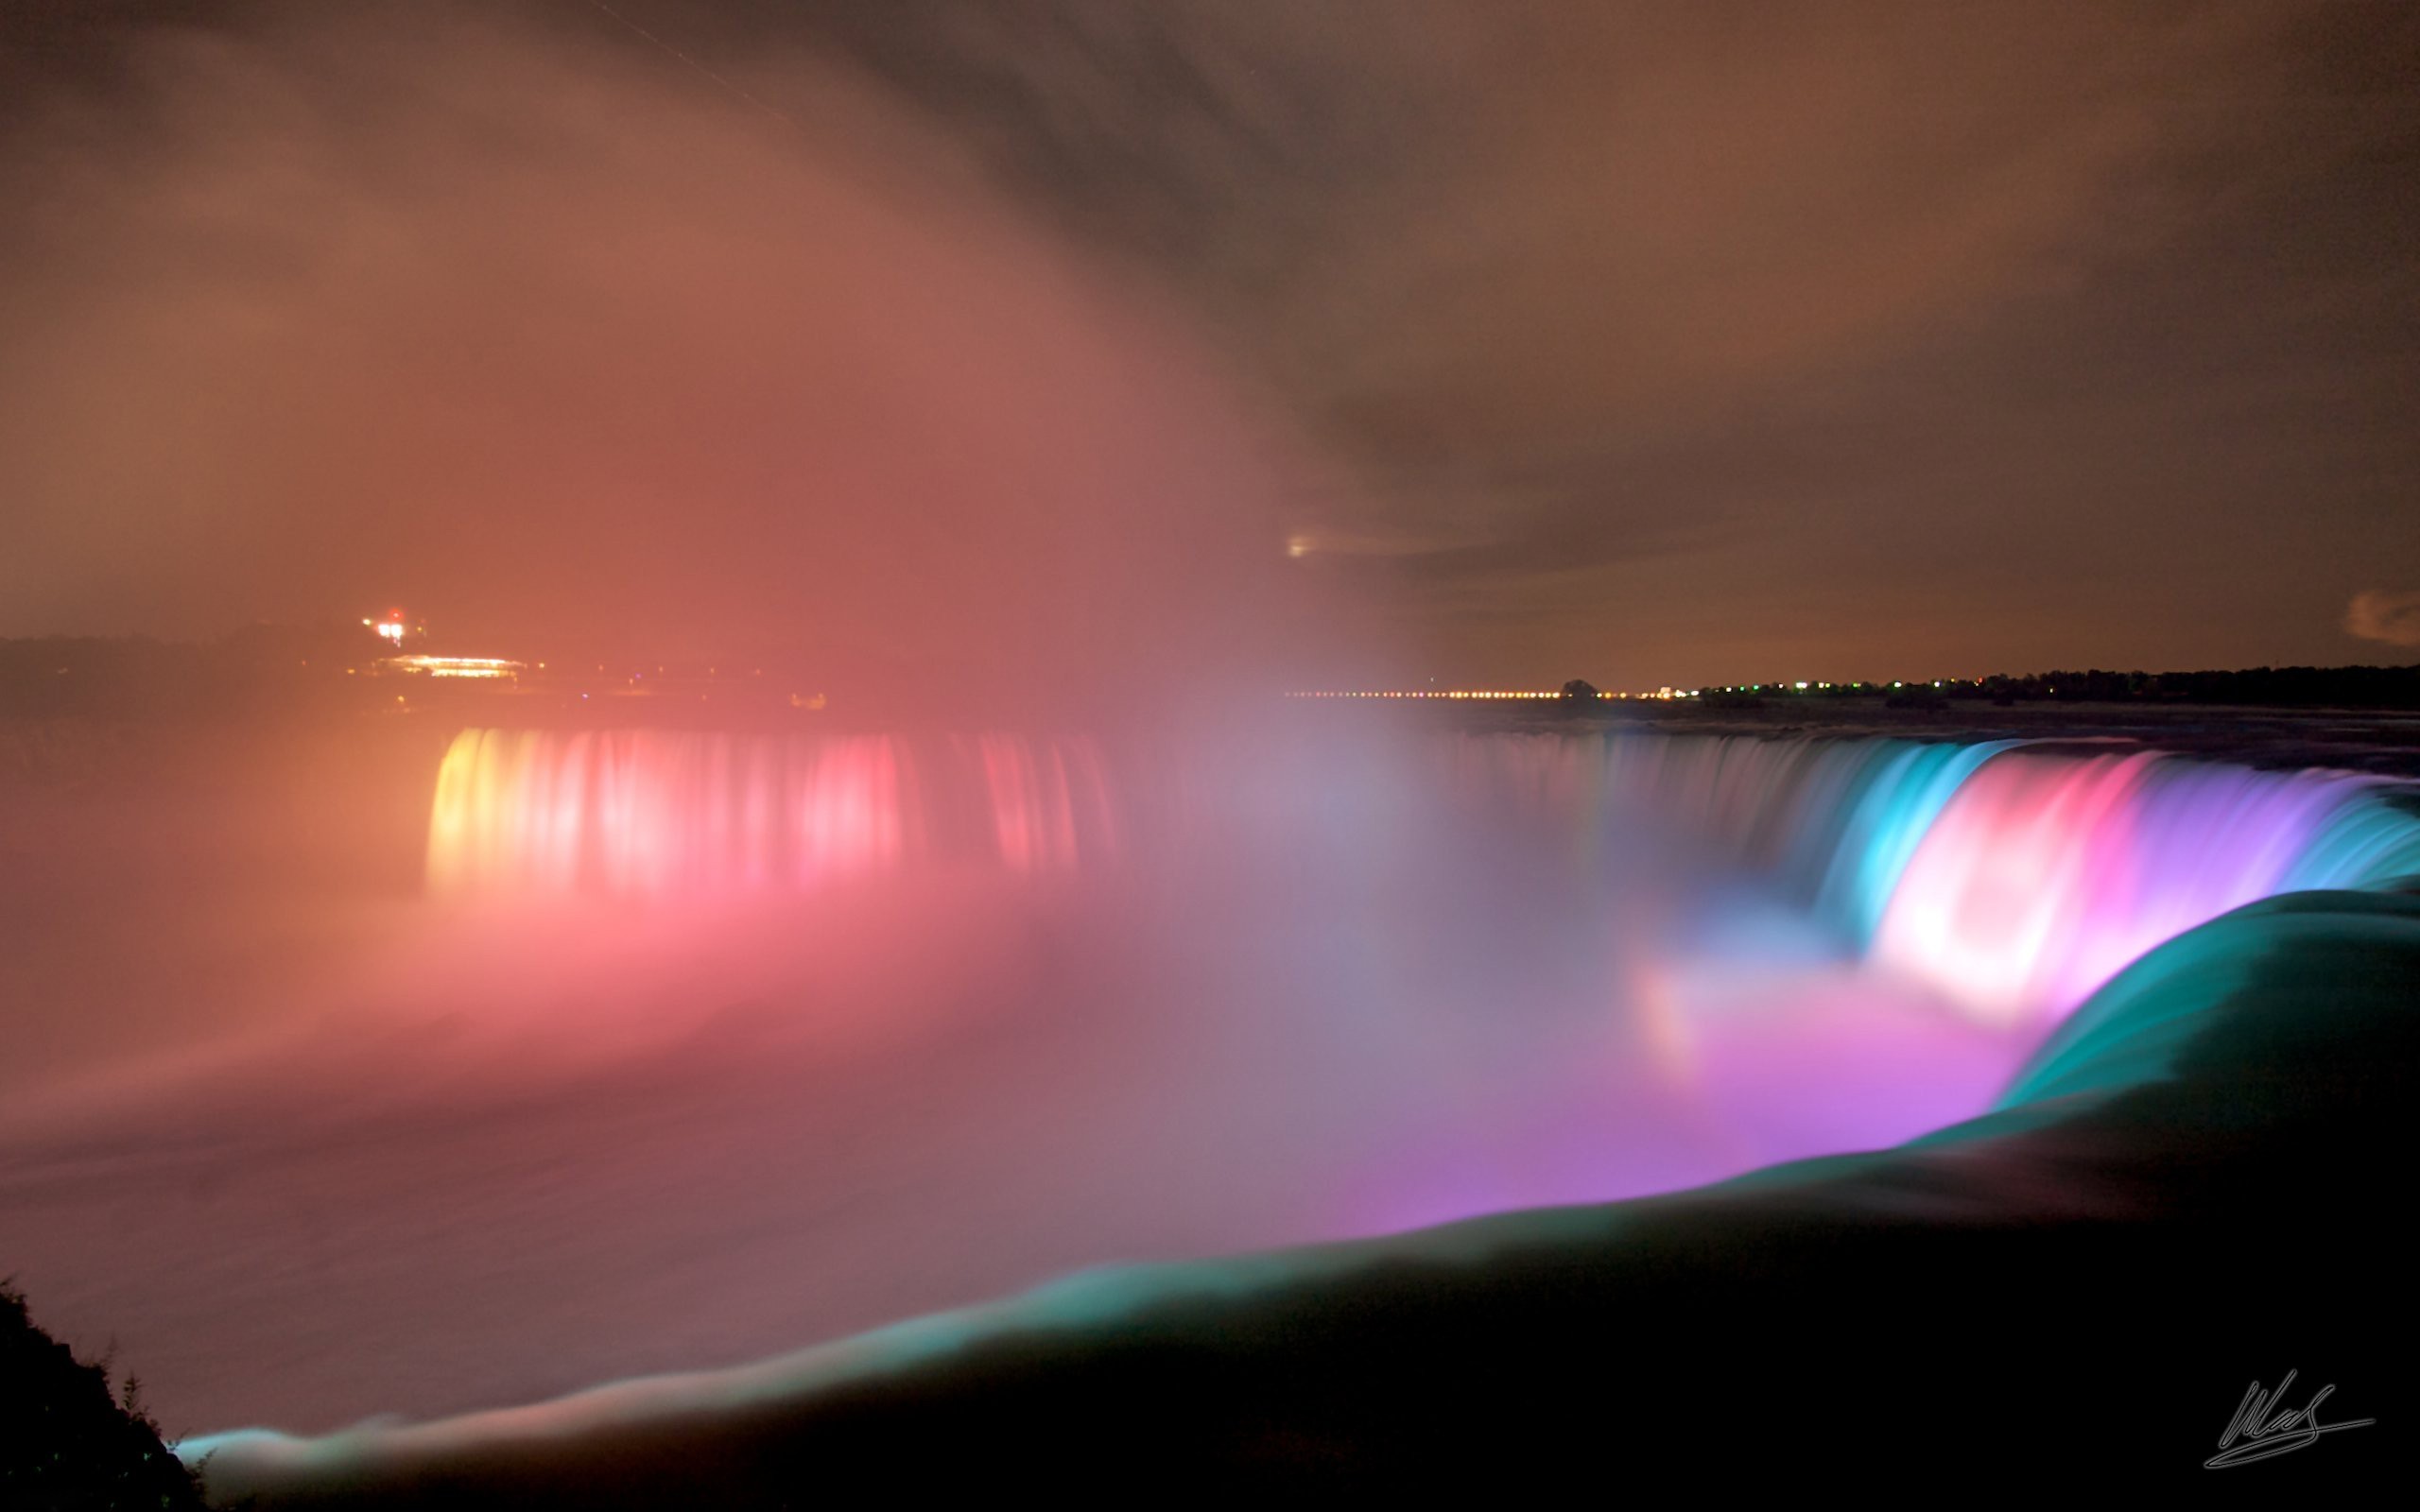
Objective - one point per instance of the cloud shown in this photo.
(2376, 614)
(514, 319)
(1729, 300)
(1715, 303)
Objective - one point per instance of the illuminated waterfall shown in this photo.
(2013, 881)
(2048, 874)
(657, 812)
(1835, 820)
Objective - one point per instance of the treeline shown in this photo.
(2264, 687)
(2359, 687)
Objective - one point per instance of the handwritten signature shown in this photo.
(2264, 1436)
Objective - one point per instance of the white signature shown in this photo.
(2264, 1436)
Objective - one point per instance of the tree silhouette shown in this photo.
(66, 1439)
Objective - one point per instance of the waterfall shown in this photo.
(2048, 874)
(653, 812)
(2013, 880)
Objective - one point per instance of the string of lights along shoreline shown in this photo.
(1484, 694)
(1518, 694)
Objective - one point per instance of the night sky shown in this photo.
(1336, 342)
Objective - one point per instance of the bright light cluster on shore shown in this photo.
(454, 666)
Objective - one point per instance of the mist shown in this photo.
(419, 1144)
(514, 319)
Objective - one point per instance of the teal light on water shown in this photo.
(1902, 794)
(2011, 879)
(2370, 839)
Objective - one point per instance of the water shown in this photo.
(2048, 875)
(661, 813)
(694, 1047)
(2013, 881)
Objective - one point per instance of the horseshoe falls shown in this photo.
(1468, 1010)
(685, 1046)
(2013, 880)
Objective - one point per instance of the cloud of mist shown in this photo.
(324, 1148)
(512, 319)
(1647, 345)
(2164, 1116)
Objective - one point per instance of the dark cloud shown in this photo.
(1894, 337)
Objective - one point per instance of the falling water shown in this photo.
(669, 812)
(2048, 874)
(2014, 881)
(707, 1042)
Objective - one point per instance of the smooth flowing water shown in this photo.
(701, 1047)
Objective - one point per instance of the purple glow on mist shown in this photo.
(622, 1093)
(2046, 875)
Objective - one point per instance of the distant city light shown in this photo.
(1485, 695)
(392, 627)
(454, 666)
(1499, 693)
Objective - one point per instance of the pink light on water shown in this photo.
(2014, 882)
(1049, 803)
(652, 813)
(848, 808)
(2046, 874)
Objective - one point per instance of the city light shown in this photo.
(1485, 695)
(453, 667)
(392, 627)
(1498, 695)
